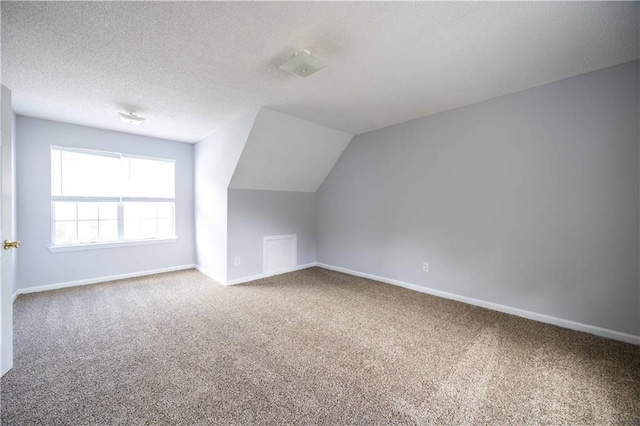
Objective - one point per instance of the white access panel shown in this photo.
(280, 253)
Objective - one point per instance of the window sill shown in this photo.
(117, 244)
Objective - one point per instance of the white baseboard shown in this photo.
(99, 280)
(260, 276)
(210, 275)
(592, 329)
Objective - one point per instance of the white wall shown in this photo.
(256, 214)
(286, 153)
(215, 159)
(529, 200)
(37, 266)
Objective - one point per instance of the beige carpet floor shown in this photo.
(309, 347)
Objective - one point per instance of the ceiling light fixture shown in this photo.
(302, 64)
(131, 118)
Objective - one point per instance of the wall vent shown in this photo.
(279, 253)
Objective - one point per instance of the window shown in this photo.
(105, 197)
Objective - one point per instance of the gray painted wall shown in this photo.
(37, 266)
(528, 200)
(215, 159)
(254, 214)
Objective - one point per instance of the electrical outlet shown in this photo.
(425, 267)
(237, 260)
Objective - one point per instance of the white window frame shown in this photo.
(121, 242)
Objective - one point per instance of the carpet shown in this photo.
(308, 347)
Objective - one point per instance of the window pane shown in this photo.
(87, 211)
(108, 211)
(88, 231)
(143, 221)
(165, 210)
(66, 232)
(131, 229)
(149, 178)
(56, 172)
(140, 210)
(132, 213)
(147, 210)
(108, 230)
(164, 228)
(65, 211)
(85, 174)
(148, 228)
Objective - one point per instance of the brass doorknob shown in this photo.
(11, 244)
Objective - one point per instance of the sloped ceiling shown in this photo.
(192, 67)
(285, 153)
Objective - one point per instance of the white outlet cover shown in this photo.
(425, 267)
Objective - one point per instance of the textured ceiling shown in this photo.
(191, 67)
(285, 153)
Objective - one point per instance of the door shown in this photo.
(7, 230)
